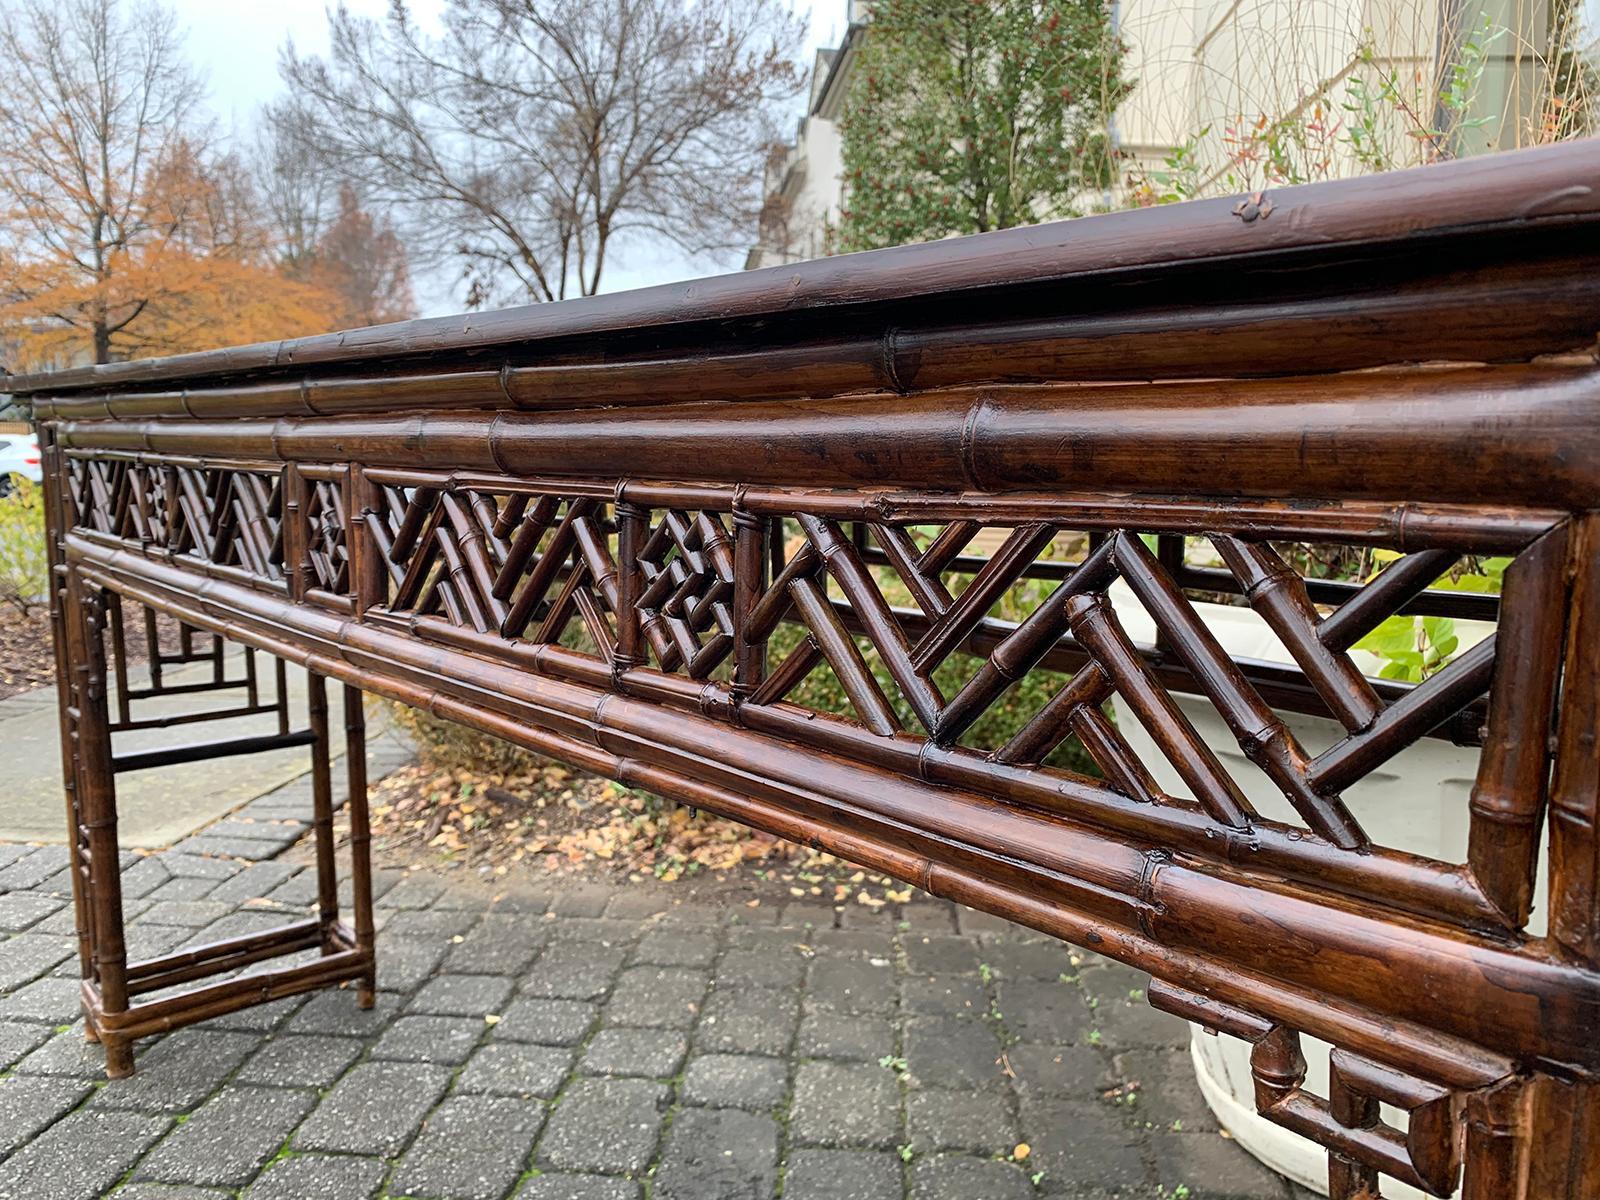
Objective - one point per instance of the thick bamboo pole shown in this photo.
(1443, 221)
(1511, 791)
(1482, 989)
(1526, 435)
(1575, 790)
(97, 818)
(1462, 528)
(355, 761)
(322, 806)
(58, 519)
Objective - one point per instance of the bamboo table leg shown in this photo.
(66, 703)
(107, 987)
(355, 757)
(322, 809)
(113, 988)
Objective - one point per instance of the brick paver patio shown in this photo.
(588, 1042)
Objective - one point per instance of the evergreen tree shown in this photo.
(969, 115)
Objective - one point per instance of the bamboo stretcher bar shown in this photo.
(143, 760)
(157, 974)
(217, 999)
(1461, 527)
(1494, 995)
(174, 720)
(1243, 438)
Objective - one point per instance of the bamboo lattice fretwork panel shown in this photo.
(938, 559)
(925, 625)
(219, 515)
(925, 636)
(327, 553)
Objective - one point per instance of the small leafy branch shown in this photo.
(1180, 178)
(24, 566)
(1416, 647)
(1433, 121)
(1385, 119)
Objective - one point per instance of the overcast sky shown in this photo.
(236, 44)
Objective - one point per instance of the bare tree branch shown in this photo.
(529, 133)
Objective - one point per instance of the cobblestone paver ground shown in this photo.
(589, 1042)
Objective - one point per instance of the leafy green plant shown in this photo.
(1381, 103)
(1378, 114)
(966, 117)
(1415, 647)
(24, 563)
(1179, 178)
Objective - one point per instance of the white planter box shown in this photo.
(1417, 801)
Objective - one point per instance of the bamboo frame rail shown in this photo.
(636, 532)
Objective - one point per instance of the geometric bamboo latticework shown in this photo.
(949, 480)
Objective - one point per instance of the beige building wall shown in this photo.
(1256, 92)
(804, 187)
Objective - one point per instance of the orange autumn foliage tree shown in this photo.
(362, 262)
(121, 233)
(324, 234)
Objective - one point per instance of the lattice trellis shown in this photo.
(516, 565)
(223, 516)
(327, 556)
(1079, 606)
(532, 567)
(684, 606)
(528, 567)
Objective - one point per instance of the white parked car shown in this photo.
(19, 455)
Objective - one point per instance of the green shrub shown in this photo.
(451, 746)
(24, 563)
(821, 692)
(1415, 647)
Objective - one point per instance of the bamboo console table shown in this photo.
(622, 531)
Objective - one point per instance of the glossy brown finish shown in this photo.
(1345, 437)
(1432, 211)
(1575, 790)
(629, 531)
